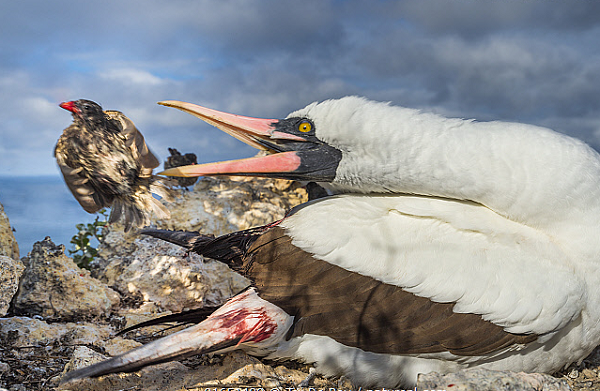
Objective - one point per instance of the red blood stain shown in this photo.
(240, 324)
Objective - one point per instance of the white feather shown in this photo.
(526, 173)
(363, 368)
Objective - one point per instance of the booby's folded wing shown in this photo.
(406, 274)
(448, 251)
(363, 312)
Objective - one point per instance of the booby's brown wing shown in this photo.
(360, 311)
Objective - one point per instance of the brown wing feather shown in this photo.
(81, 189)
(135, 140)
(360, 311)
(80, 186)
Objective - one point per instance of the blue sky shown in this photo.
(514, 60)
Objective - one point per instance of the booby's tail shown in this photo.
(184, 239)
(228, 248)
(245, 321)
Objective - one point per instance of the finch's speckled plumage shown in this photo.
(106, 163)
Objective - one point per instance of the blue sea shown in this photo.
(41, 206)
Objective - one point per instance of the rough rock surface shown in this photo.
(10, 272)
(233, 369)
(36, 352)
(53, 287)
(162, 273)
(479, 379)
(219, 205)
(22, 332)
(8, 243)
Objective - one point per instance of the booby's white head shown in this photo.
(371, 137)
(345, 142)
(352, 144)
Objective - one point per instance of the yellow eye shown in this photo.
(305, 126)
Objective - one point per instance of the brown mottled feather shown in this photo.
(105, 162)
(134, 140)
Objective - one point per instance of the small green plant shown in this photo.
(83, 252)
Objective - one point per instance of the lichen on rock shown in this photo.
(222, 205)
(21, 331)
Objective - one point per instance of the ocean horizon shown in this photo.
(40, 206)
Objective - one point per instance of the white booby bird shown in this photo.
(464, 244)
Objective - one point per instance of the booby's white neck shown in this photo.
(526, 173)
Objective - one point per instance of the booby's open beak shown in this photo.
(294, 153)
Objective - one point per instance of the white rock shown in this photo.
(221, 205)
(10, 272)
(8, 243)
(162, 273)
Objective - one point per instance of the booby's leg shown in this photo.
(245, 321)
(306, 382)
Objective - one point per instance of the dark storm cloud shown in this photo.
(476, 18)
(529, 61)
(523, 61)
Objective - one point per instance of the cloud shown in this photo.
(130, 77)
(476, 19)
(535, 62)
